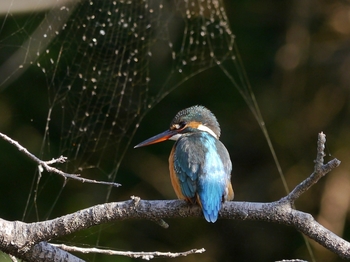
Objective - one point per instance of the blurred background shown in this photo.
(297, 58)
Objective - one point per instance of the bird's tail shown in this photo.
(210, 199)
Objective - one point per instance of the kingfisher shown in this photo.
(199, 164)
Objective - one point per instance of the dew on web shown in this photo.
(97, 57)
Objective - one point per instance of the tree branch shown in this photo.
(43, 252)
(19, 238)
(142, 255)
(319, 171)
(46, 164)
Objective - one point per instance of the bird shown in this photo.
(199, 163)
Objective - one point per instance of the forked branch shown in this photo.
(281, 211)
(47, 164)
(320, 170)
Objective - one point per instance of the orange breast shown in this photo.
(229, 191)
(174, 179)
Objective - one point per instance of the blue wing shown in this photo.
(203, 168)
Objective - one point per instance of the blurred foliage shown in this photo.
(297, 57)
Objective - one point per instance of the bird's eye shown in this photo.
(179, 126)
(182, 125)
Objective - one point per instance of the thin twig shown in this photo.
(142, 255)
(13, 258)
(160, 222)
(321, 142)
(281, 211)
(50, 169)
(320, 170)
(156, 220)
(291, 260)
(60, 160)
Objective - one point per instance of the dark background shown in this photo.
(296, 54)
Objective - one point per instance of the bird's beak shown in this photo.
(157, 138)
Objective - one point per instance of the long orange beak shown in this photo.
(157, 138)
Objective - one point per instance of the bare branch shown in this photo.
(279, 211)
(43, 252)
(18, 244)
(319, 171)
(13, 258)
(156, 220)
(142, 255)
(50, 169)
(291, 260)
(60, 160)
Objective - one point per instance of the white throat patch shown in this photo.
(207, 129)
(200, 127)
(175, 137)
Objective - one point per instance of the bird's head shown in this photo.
(189, 120)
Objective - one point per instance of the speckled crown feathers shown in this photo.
(198, 114)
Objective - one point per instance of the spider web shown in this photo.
(99, 59)
(101, 62)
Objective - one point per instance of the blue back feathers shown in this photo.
(202, 165)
